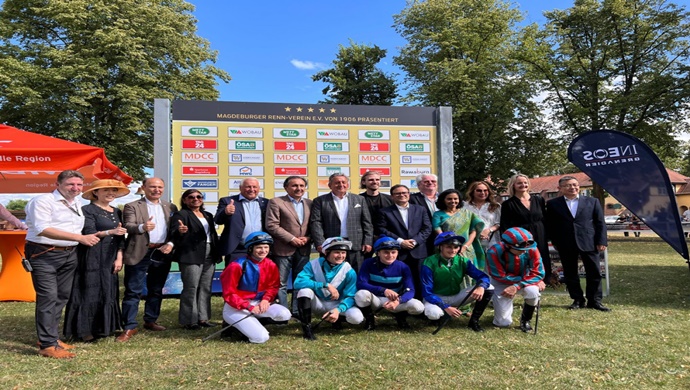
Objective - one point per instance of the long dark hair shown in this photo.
(441, 201)
(185, 194)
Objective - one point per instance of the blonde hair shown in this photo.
(491, 199)
(513, 179)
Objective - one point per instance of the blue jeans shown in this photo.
(154, 274)
(294, 263)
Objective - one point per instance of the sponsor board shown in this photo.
(282, 132)
(290, 158)
(385, 184)
(245, 132)
(410, 183)
(199, 131)
(342, 159)
(414, 135)
(384, 171)
(333, 146)
(322, 183)
(199, 171)
(234, 184)
(328, 171)
(374, 134)
(200, 144)
(411, 159)
(247, 158)
(297, 146)
(210, 196)
(332, 134)
(290, 171)
(414, 171)
(246, 170)
(374, 147)
(199, 183)
(245, 145)
(199, 157)
(423, 147)
(374, 159)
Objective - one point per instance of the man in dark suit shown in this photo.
(287, 221)
(146, 221)
(576, 227)
(410, 226)
(427, 197)
(242, 215)
(341, 214)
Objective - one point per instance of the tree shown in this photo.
(355, 79)
(88, 71)
(461, 53)
(17, 204)
(617, 64)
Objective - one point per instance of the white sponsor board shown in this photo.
(247, 158)
(199, 157)
(374, 135)
(210, 196)
(245, 132)
(199, 131)
(288, 132)
(246, 170)
(328, 171)
(332, 134)
(415, 159)
(414, 171)
(332, 146)
(341, 159)
(245, 145)
(414, 135)
(415, 147)
(288, 158)
(234, 184)
(374, 159)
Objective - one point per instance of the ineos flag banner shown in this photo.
(630, 171)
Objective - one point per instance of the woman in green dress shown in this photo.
(451, 216)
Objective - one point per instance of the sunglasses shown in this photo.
(195, 197)
(400, 193)
(523, 244)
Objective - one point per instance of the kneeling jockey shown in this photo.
(384, 282)
(516, 267)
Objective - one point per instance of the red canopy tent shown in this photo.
(30, 162)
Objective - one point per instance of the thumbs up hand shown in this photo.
(149, 225)
(182, 228)
(119, 230)
(230, 208)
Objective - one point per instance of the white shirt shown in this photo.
(204, 223)
(404, 212)
(53, 211)
(342, 206)
(160, 232)
(572, 204)
(252, 216)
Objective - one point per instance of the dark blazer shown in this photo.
(231, 236)
(190, 247)
(391, 224)
(136, 213)
(584, 232)
(419, 199)
(325, 223)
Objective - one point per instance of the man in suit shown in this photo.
(341, 214)
(287, 221)
(146, 221)
(242, 215)
(575, 224)
(410, 226)
(427, 197)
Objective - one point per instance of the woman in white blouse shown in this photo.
(480, 199)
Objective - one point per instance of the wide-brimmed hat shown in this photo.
(122, 189)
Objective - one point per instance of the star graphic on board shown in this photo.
(310, 109)
(322, 109)
(299, 109)
(333, 110)
(287, 109)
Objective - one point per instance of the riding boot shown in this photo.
(527, 312)
(401, 319)
(338, 324)
(369, 320)
(304, 309)
(479, 308)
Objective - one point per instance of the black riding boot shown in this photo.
(304, 308)
(401, 319)
(369, 320)
(479, 308)
(526, 317)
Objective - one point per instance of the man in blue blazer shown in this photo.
(576, 227)
(242, 215)
(408, 224)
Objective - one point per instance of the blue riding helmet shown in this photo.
(518, 238)
(257, 238)
(449, 238)
(386, 243)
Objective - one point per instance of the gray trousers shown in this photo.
(52, 276)
(195, 299)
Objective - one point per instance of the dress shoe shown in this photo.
(56, 353)
(154, 327)
(126, 335)
(577, 305)
(191, 327)
(60, 344)
(598, 306)
(207, 324)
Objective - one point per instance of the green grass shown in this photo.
(643, 343)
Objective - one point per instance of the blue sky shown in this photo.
(271, 48)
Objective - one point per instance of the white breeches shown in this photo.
(320, 306)
(503, 306)
(251, 327)
(434, 312)
(365, 298)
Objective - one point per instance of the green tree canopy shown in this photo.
(462, 53)
(88, 71)
(355, 79)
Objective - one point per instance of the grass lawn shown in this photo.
(643, 343)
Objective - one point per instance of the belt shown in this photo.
(155, 246)
(53, 247)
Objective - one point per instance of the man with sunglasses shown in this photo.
(515, 268)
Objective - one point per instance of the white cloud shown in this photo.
(307, 65)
